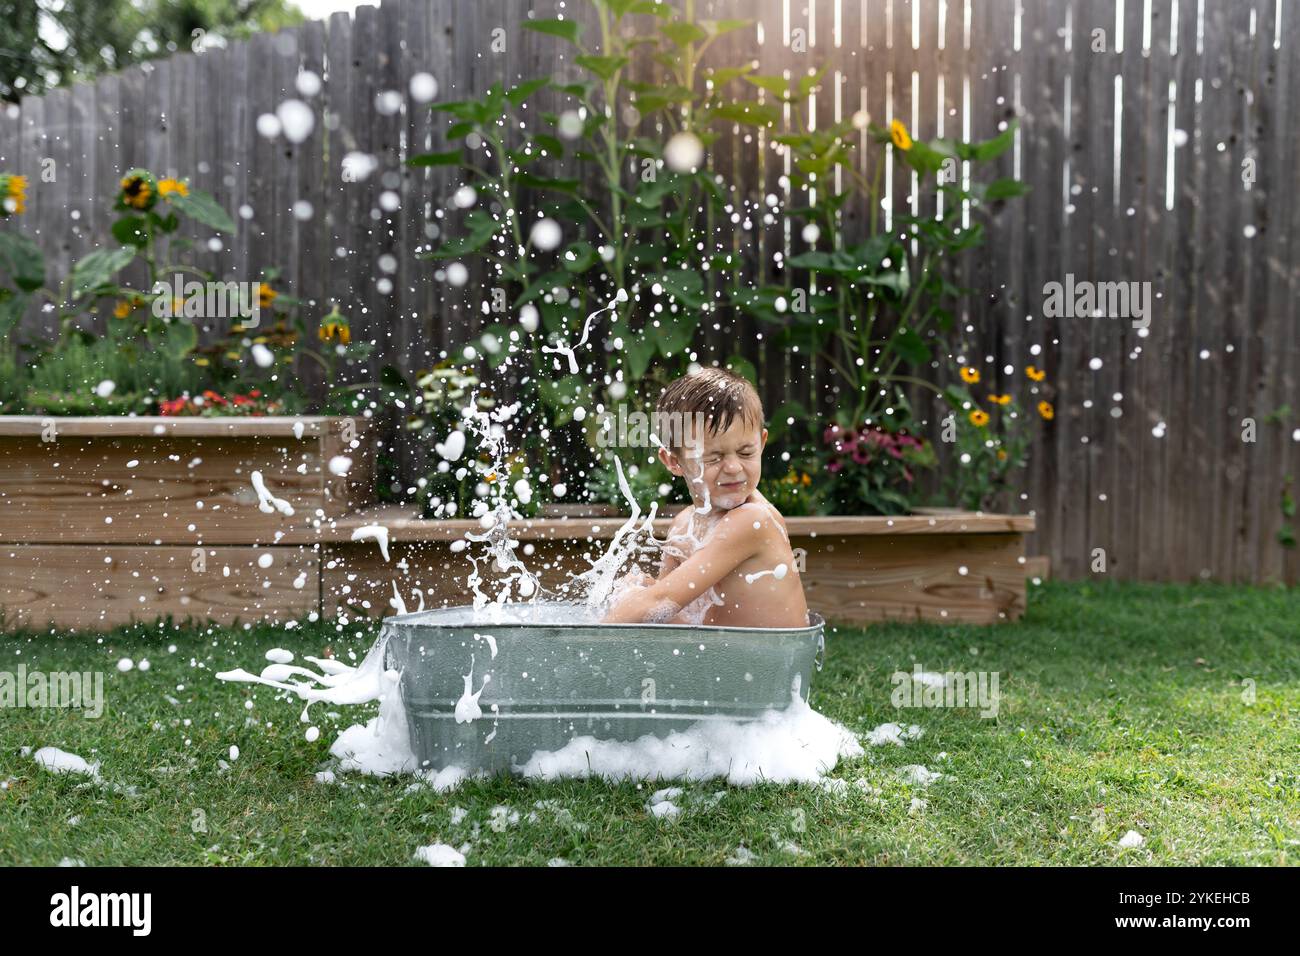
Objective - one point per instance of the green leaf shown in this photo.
(562, 396)
(517, 94)
(722, 77)
(748, 113)
(910, 346)
(674, 331)
(742, 367)
(22, 260)
(1004, 189)
(202, 208)
(683, 34)
(569, 30)
(542, 182)
(684, 285)
(131, 231)
(654, 8)
(808, 82)
(639, 349)
(989, 148)
(450, 158)
(96, 268)
(579, 257)
(603, 66)
(719, 28)
(778, 86)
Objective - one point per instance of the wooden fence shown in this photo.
(1152, 132)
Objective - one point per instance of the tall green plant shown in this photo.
(630, 218)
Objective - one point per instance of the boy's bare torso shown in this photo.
(763, 591)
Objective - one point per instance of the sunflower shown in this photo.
(1035, 374)
(898, 133)
(168, 186)
(969, 375)
(979, 418)
(139, 190)
(1000, 399)
(13, 195)
(330, 330)
(1047, 411)
(265, 295)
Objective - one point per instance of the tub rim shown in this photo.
(816, 622)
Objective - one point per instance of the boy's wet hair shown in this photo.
(718, 395)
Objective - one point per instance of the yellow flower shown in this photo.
(1000, 399)
(805, 479)
(969, 375)
(1035, 374)
(335, 326)
(491, 476)
(168, 186)
(13, 195)
(265, 295)
(1002, 454)
(979, 418)
(898, 133)
(233, 356)
(200, 361)
(138, 190)
(1046, 410)
(122, 309)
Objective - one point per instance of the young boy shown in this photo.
(727, 560)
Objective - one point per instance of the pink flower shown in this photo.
(835, 466)
(861, 453)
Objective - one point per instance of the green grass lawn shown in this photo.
(1123, 708)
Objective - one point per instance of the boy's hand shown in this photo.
(734, 541)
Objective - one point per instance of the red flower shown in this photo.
(173, 406)
(255, 393)
(214, 398)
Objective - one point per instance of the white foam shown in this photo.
(60, 761)
(267, 502)
(373, 532)
(892, 733)
(440, 854)
(797, 745)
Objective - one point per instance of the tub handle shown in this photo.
(821, 652)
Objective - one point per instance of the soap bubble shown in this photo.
(358, 165)
(570, 125)
(296, 120)
(528, 317)
(268, 125)
(388, 102)
(684, 152)
(423, 87)
(546, 234)
(307, 83)
(464, 197)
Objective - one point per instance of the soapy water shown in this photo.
(786, 744)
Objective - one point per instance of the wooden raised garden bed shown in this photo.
(108, 520)
(955, 567)
(105, 520)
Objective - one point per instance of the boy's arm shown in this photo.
(733, 542)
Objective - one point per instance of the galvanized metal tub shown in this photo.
(551, 682)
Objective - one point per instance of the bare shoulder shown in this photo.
(756, 519)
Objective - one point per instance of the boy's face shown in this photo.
(729, 463)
